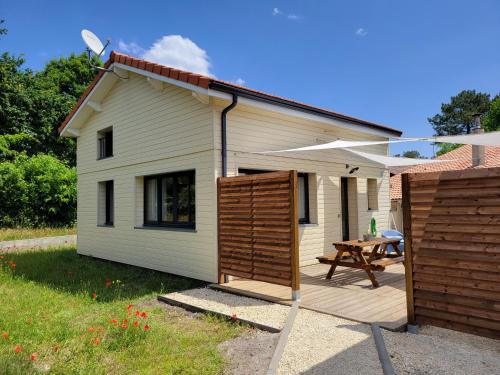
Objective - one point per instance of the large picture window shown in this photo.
(169, 200)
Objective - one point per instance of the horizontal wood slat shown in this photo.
(453, 221)
(257, 226)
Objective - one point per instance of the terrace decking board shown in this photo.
(348, 294)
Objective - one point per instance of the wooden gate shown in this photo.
(452, 249)
(258, 228)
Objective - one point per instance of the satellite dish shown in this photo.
(95, 45)
(93, 42)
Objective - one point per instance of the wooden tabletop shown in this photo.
(361, 243)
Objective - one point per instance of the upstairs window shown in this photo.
(372, 190)
(169, 200)
(105, 143)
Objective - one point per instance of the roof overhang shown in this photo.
(104, 81)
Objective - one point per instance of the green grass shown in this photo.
(46, 306)
(9, 234)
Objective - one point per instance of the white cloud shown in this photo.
(290, 16)
(130, 47)
(172, 50)
(179, 52)
(361, 32)
(239, 81)
(294, 17)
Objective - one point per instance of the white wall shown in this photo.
(154, 131)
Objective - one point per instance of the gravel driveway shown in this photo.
(323, 344)
(440, 351)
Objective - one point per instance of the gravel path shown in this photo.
(440, 351)
(255, 310)
(39, 243)
(323, 344)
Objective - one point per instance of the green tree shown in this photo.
(491, 120)
(414, 154)
(37, 103)
(456, 117)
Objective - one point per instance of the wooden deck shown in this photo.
(349, 294)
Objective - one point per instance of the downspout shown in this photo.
(223, 133)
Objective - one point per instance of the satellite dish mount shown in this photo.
(95, 46)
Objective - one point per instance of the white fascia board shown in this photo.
(87, 99)
(257, 104)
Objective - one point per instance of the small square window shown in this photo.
(106, 203)
(372, 190)
(105, 143)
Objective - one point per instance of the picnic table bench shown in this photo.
(373, 259)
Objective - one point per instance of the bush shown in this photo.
(37, 191)
(13, 197)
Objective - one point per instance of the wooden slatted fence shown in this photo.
(258, 227)
(452, 249)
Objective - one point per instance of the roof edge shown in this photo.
(205, 82)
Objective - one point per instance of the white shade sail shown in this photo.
(391, 161)
(483, 139)
(339, 143)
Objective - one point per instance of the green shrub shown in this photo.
(13, 197)
(37, 191)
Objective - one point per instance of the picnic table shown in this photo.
(368, 255)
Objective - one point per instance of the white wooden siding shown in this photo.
(154, 131)
(250, 131)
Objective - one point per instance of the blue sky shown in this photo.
(392, 62)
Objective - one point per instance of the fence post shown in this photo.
(294, 198)
(406, 204)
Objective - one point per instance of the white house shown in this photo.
(150, 146)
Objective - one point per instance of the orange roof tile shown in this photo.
(462, 159)
(205, 82)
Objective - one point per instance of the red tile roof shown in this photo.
(462, 159)
(205, 82)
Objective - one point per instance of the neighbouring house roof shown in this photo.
(462, 159)
(206, 82)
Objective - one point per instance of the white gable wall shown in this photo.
(154, 131)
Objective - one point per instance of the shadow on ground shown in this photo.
(64, 270)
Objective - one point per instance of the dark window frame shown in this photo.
(303, 220)
(105, 137)
(109, 217)
(306, 219)
(191, 199)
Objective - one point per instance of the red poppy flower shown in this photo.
(125, 321)
(34, 356)
(5, 335)
(144, 315)
(129, 307)
(114, 321)
(124, 326)
(136, 324)
(91, 329)
(146, 327)
(108, 283)
(94, 295)
(234, 317)
(18, 348)
(137, 313)
(96, 341)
